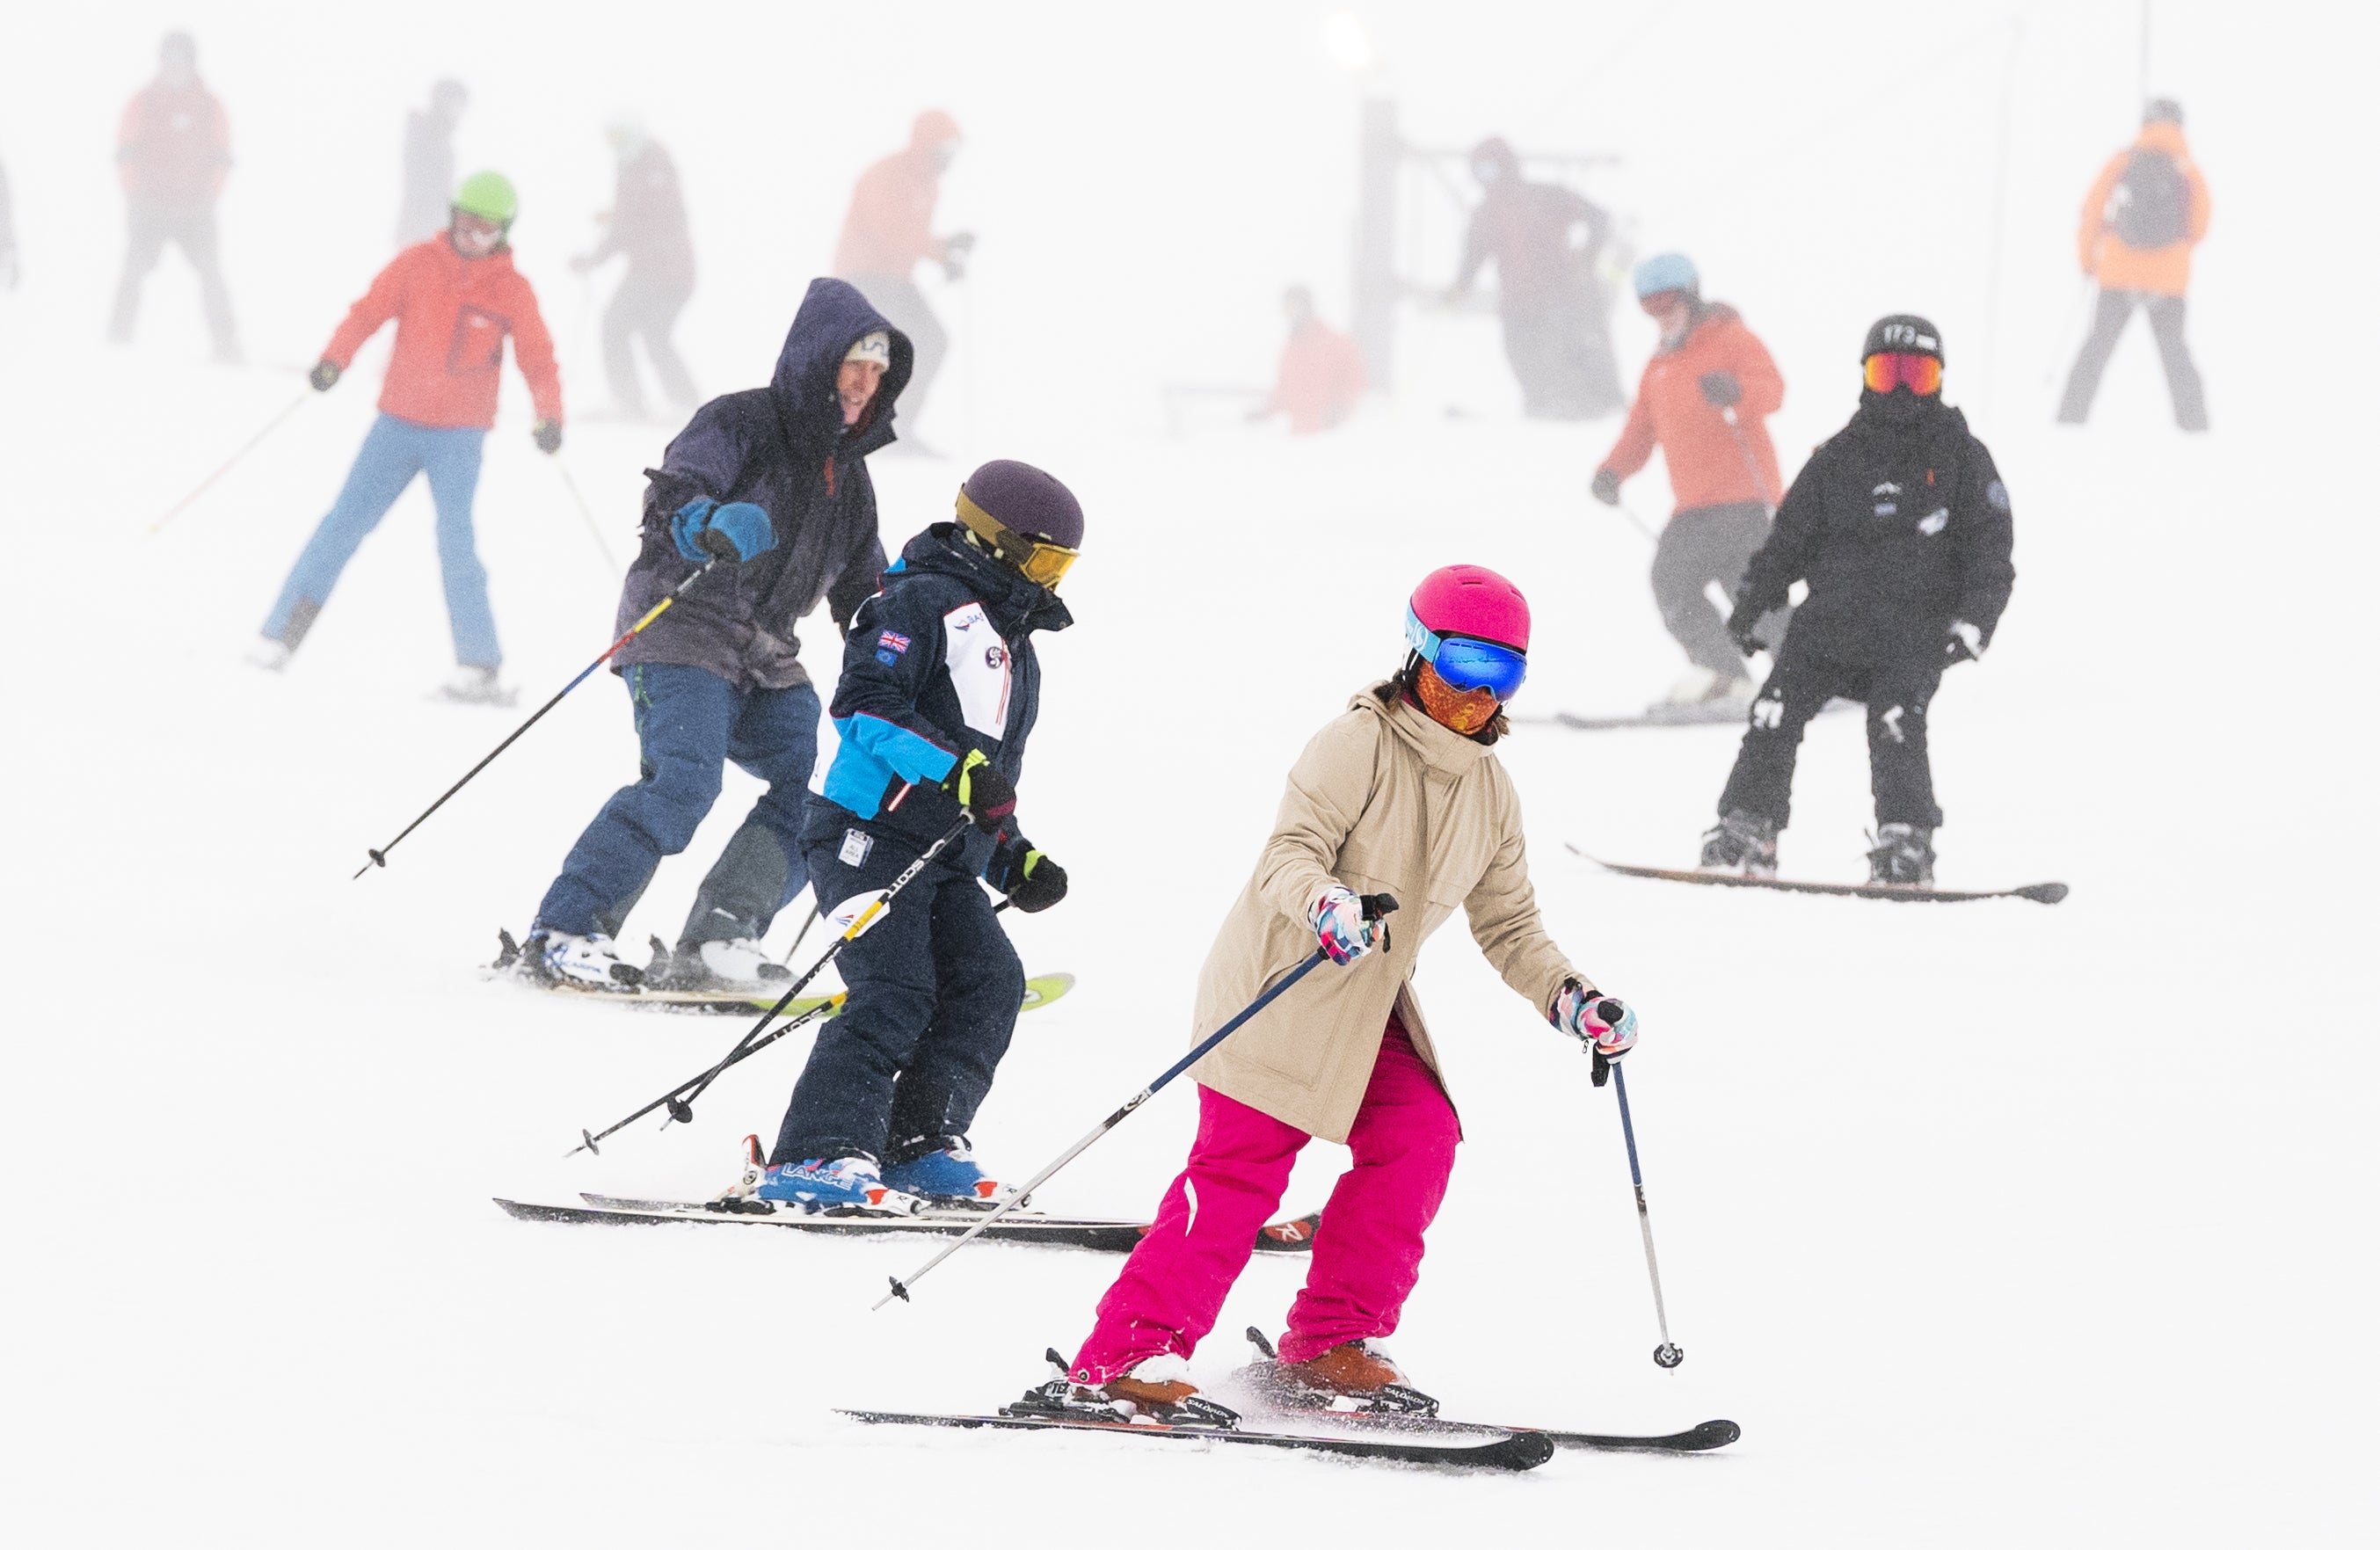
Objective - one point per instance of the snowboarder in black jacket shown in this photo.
(1900, 524)
(940, 688)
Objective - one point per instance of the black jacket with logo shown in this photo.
(1900, 523)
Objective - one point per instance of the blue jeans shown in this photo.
(393, 450)
(935, 990)
(690, 721)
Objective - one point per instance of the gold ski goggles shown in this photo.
(1041, 561)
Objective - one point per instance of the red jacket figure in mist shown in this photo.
(1321, 373)
(890, 230)
(455, 299)
(2147, 211)
(173, 151)
(1703, 401)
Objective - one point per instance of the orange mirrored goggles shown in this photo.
(1887, 367)
(1040, 562)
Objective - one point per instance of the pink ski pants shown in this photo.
(1367, 1255)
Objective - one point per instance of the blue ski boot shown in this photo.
(833, 1187)
(947, 1176)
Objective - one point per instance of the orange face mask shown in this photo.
(1462, 710)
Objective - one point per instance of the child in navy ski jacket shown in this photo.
(939, 692)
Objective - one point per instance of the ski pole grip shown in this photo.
(1376, 906)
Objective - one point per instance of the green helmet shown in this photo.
(488, 195)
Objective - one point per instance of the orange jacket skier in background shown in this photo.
(453, 315)
(889, 231)
(173, 151)
(1703, 401)
(1321, 373)
(2148, 209)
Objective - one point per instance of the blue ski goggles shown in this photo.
(1466, 664)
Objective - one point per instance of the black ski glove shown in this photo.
(1743, 623)
(1040, 883)
(989, 796)
(1961, 642)
(324, 376)
(1720, 390)
(1606, 487)
(547, 434)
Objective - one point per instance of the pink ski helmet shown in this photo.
(1473, 625)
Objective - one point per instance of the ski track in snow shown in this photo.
(1991, 1224)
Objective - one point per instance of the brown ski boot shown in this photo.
(1355, 1376)
(1157, 1391)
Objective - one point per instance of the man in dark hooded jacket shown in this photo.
(940, 688)
(776, 476)
(1900, 524)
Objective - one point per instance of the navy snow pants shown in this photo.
(690, 721)
(935, 988)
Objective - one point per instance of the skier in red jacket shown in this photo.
(1321, 373)
(1703, 399)
(173, 151)
(455, 298)
(890, 230)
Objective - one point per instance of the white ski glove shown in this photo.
(1337, 920)
(1605, 1024)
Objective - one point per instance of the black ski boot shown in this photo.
(1742, 843)
(1904, 856)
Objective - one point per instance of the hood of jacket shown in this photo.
(1015, 604)
(833, 318)
(1441, 750)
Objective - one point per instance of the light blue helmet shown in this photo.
(1666, 272)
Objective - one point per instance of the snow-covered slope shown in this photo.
(1990, 1224)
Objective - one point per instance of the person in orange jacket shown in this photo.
(890, 230)
(1703, 400)
(1321, 373)
(455, 298)
(173, 151)
(2147, 211)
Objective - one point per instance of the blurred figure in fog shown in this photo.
(173, 151)
(7, 236)
(1705, 395)
(455, 299)
(2141, 218)
(890, 231)
(1321, 374)
(1544, 240)
(430, 163)
(647, 222)
(770, 489)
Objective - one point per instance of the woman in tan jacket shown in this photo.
(1402, 794)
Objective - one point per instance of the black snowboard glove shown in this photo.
(1606, 487)
(324, 376)
(1040, 883)
(1720, 390)
(1961, 642)
(1743, 623)
(547, 434)
(989, 796)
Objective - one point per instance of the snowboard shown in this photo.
(2040, 894)
(1109, 1235)
(1499, 1450)
(1710, 713)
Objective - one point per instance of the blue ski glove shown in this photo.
(704, 530)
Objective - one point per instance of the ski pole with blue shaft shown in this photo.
(1665, 1354)
(1375, 906)
(723, 548)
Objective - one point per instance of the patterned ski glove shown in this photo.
(989, 796)
(1605, 1024)
(1337, 920)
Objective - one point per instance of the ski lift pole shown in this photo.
(380, 857)
(1377, 906)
